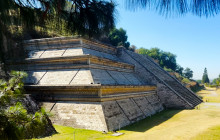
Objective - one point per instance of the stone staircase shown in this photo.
(164, 76)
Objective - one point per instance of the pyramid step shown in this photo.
(93, 93)
(68, 62)
(82, 77)
(66, 42)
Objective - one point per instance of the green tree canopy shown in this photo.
(205, 78)
(188, 73)
(84, 17)
(179, 69)
(118, 37)
(165, 59)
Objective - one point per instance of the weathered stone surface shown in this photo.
(147, 70)
(102, 77)
(120, 78)
(144, 105)
(131, 110)
(73, 52)
(83, 77)
(101, 116)
(34, 77)
(35, 53)
(58, 77)
(78, 114)
(133, 79)
(53, 53)
(114, 116)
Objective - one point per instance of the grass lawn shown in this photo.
(198, 124)
(208, 96)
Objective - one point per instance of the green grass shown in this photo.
(67, 133)
(205, 94)
(212, 133)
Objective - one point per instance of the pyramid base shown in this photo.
(103, 116)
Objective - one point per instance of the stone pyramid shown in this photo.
(91, 85)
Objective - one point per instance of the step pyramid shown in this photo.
(91, 85)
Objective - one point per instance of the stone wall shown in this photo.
(85, 115)
(103, 116)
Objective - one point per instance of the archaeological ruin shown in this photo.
(91, 85)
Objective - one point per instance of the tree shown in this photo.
(216, 80)
(205, 78)
(118, 37)
(179, 69)
(165, 59)
(188, 73)
(179, 7)
(85, 17)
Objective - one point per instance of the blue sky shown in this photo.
(195, 40)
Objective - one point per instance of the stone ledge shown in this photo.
(62, 62)
(35, 43)
(94, 92)
(65, 97)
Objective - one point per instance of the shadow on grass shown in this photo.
(150, 122)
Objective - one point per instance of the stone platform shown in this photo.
(91, 85)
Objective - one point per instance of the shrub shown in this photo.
(16, 122)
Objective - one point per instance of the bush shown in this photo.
(16, 122)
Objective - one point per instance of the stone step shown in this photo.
(144, 62)
(171, 81)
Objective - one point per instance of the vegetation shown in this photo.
(210, 95)
(17, 122)
(205, 78)
(164, 59)
(216, 81)
(212, 133)
(118, 37)
(84, 17)
(27, 19)
(179, 7)
(188, 73)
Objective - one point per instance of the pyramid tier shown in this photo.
(82, 77)
(70, 62)
(91, 93)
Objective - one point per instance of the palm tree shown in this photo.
(181, 7)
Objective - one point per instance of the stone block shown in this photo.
(131, 110)
(58, 77)
(73, 52)
(120, 78)
(114, 116)
(102, 77)
(52, 53)
(83, 77)
(34, 77)
(35, 53)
